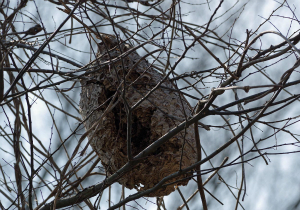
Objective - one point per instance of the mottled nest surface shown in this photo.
(154, 117)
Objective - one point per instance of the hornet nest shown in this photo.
(102, 103)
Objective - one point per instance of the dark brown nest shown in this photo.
(103, 94)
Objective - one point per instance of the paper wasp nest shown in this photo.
(154, 117)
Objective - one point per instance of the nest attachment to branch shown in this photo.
(104, 98)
